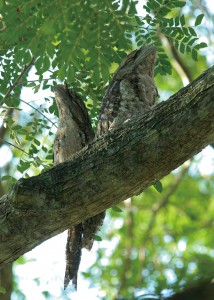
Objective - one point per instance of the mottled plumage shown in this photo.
(74, 132)
(74, 126)
(131, 92)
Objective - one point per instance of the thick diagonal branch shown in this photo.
(113, 168)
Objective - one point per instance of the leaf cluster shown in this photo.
(157, 24)
(79, 41)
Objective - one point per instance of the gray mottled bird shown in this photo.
(74, 132)
(131, 92)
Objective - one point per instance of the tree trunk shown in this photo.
(119, 165)
(6, 273)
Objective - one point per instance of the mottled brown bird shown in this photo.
(131, 92)
(74, 132)
(74, 126)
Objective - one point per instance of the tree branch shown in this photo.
(113, 168)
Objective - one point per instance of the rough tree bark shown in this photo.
(111, 169)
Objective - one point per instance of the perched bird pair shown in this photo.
(131, 92)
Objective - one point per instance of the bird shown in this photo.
(74, 132)
(131, 92)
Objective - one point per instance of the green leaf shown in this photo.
(38, 64)
(71, 73)
(5, 177)
(199, 19)
(46, 64)
(180, 3)
(188, 49)
(182, 20)
(23, 166)
(86, 274)
(15, 137)
(163, 11)
(116, 208)
(194, 54)
(158, 186)
(105, 72)
(16, 127)
(177, 21)
(147, 8)
(192, 31)
(27, 57)
(33, 150)
(62, 72)
(36, 88)
(49, 156)
(46, 294)
(200, 46)
(185, 31)
(31, 84)
(139, 20)
(171, 22)
(182, 48)
(154, 4)
(36, 142)
(44, 149)
(192, 41)
(186, 40)
(97, 238)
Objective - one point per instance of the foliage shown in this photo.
(43, 43)
(163, 241)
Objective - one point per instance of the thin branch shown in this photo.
(178, 59)
(155, 209)
(26, 68)
(181, 67)
(38, 80)
(39, 112)
(6, 142)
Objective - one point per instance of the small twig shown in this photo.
(26, 68)
(177, 57)
(155, 209)
(37, 80)
(14, 146)
(165, 200)
(39, 112)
